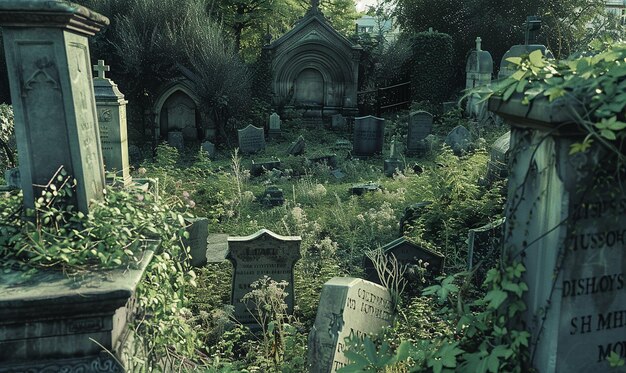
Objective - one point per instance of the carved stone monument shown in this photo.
(369, 135)
(264, 253)
(251, 139)
(274, 125)
(111, 108)
(420, 126)
(53, 97)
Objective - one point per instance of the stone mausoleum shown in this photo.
(314, 68)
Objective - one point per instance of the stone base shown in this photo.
(50, 321)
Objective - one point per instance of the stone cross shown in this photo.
(478, 40)
(101, 68)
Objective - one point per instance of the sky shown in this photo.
(361, 5)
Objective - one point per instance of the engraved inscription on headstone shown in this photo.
(349, 307)
(264, 253)
(251, 139)
(369, 135)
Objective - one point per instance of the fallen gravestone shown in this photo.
(409, 254)
(369, 135)
(198, 230)
(349, 307)
(420, 126)
(484, 248)
(459, 140)
(273, 196)
(216, 247)
(329, 160)
(264, 253)
(251, 139)
(338, 174)
(258, 169)
(209, 149)
(297, 147)
(175, 139)
(360, 189)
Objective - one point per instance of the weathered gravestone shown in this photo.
(217, 247)
(342, 144)
(208, 148)
(531, 26)
(478, 70)
(566, 221)
(111, 107)
(274, 125)
(297, 147)
(134, 154)
(410, 254)
(393, 164)
(338, 122)
(420, 126)
(176, 139)
(360, 189)
(198, 230)
(448, 106)
(369, 135)
(459, 140)
(53, 98)
(349, 307)
(485, 248)
(497, 167)
(258, 169)
(264, 253)
(251, 139)
(329, 160)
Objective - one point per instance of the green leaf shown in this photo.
(536, 58)
(495, 298)
(608, 134)
(509, 92)
(518, 75)
(370, 349)
(514, 60)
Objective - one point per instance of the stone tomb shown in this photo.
(420, 126)
(251, 139)
(348, 307)
(369, 135)
(263, 253)
(111, 107)
(484, 248)
(407, 253)
(459, 140)
(50, 76)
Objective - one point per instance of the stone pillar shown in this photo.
(111, 108)
(566, 222)
(48, 63)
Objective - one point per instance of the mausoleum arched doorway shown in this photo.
(309, 88)
(177, 110)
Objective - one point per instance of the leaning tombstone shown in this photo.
(484, 249)
(176, 140)
(53, 98)
(349, 308)
(274, 125)
(251, 139)
(198, 230)
(208, 148)
(297, 147)
(459, 140)
(369, 135)
(111, 107)
(409, 254)
(264, 253)
(420, 126)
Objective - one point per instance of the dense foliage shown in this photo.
(432, 66)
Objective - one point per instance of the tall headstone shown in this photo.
(264, 253)
(251, 139)
(52, 93)
(420, 126)
(274, 125)
(478, 71)
(369, 135)
(111, 107)
(348, 307)
(459, 140)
